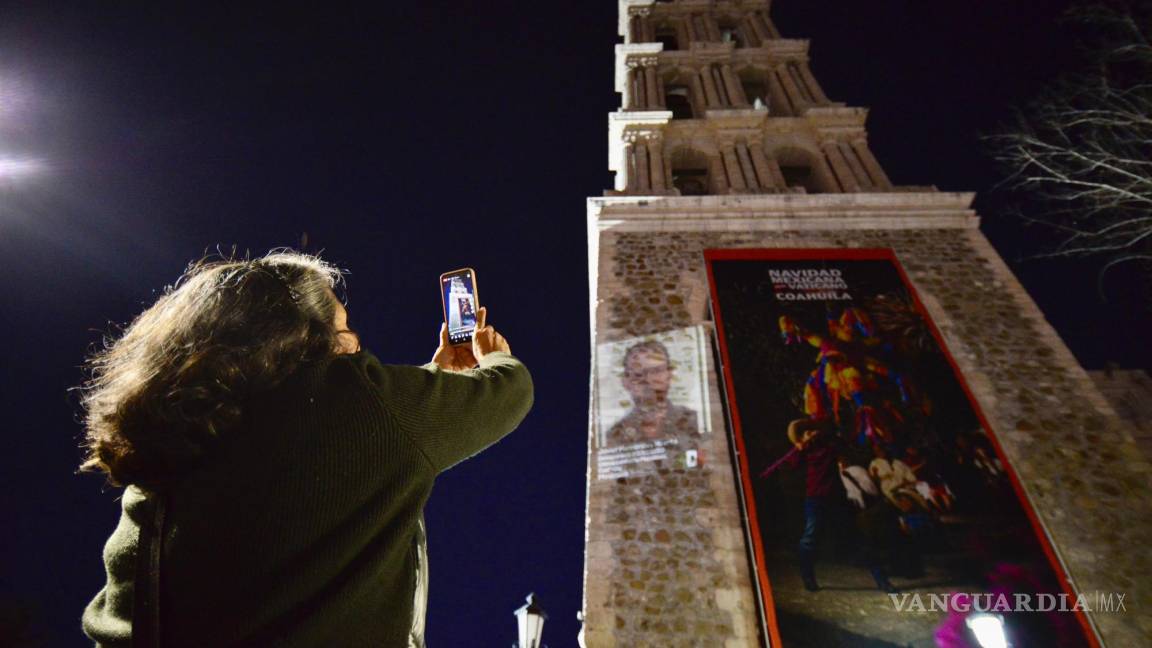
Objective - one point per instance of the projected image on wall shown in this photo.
(651, 402)
(866, 467)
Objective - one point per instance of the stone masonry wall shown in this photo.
(666, 561)
(1130, 393)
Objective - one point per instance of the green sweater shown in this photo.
(305, 527)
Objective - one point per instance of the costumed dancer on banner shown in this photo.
(814, 445)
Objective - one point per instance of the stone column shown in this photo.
(713, 28)
(746, 166)
(825, 178)
(764, 173)
(632, 102)
(683, 35)
(643, 178)
(777, 173)
(651, 94)
(839, 167)
(700, 24)
(690, 26)
(629, 169)
(712, 98)
(756, 32)
(793, 71)
(699, 97)
(735, 90)
(661, 99)
(857, 169)
(667, 164)
(777, 95)
(721, 89)
(795, 98)
(732, 166)
(717, 176)
(751, 38)
(642, 98)
(875, 171)
(810, 81)
(656, 163)
(647, 29)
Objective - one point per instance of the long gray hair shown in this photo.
(181, 373)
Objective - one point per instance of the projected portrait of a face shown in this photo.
(647, 375)
(652, 401)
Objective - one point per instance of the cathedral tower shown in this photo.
(727, 151)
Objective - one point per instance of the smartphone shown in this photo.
(461, 304)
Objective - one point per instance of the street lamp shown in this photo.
(12, 168)
(988, 629)
(530, 623)
(15, 98)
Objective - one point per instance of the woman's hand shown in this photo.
(453, 357)
(462, 357)
(485, 339)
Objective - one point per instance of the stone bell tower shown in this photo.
(715, 102)
(726, 140)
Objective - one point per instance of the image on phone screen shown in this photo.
(459, 293)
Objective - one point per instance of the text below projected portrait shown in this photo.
(869, 474)
(651, 403)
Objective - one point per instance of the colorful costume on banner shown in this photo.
(848, 370)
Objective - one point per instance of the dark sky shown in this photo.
(406, 141)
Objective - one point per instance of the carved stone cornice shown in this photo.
(636, 135)
(711, 51)
(634, 62)
(770, 55)
(627, 9)
(787, 48)
(627, 52)
(636, 121)
(628, 127)
(836, 122)
(691, 59)
(897, 209)
(691, 132)
(638, 49)
(736, 119)
(704, 52)
(681, 7)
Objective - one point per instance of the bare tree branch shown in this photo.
(1082, 154)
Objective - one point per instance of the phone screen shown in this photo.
(458, 290)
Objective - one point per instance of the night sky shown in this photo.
(407, 141)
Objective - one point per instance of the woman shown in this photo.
(276, 474)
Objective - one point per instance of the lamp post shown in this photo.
(530, 623)
(988, 630)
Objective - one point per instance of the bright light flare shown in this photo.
(12, 168)
(989, 630)
(16, 98)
